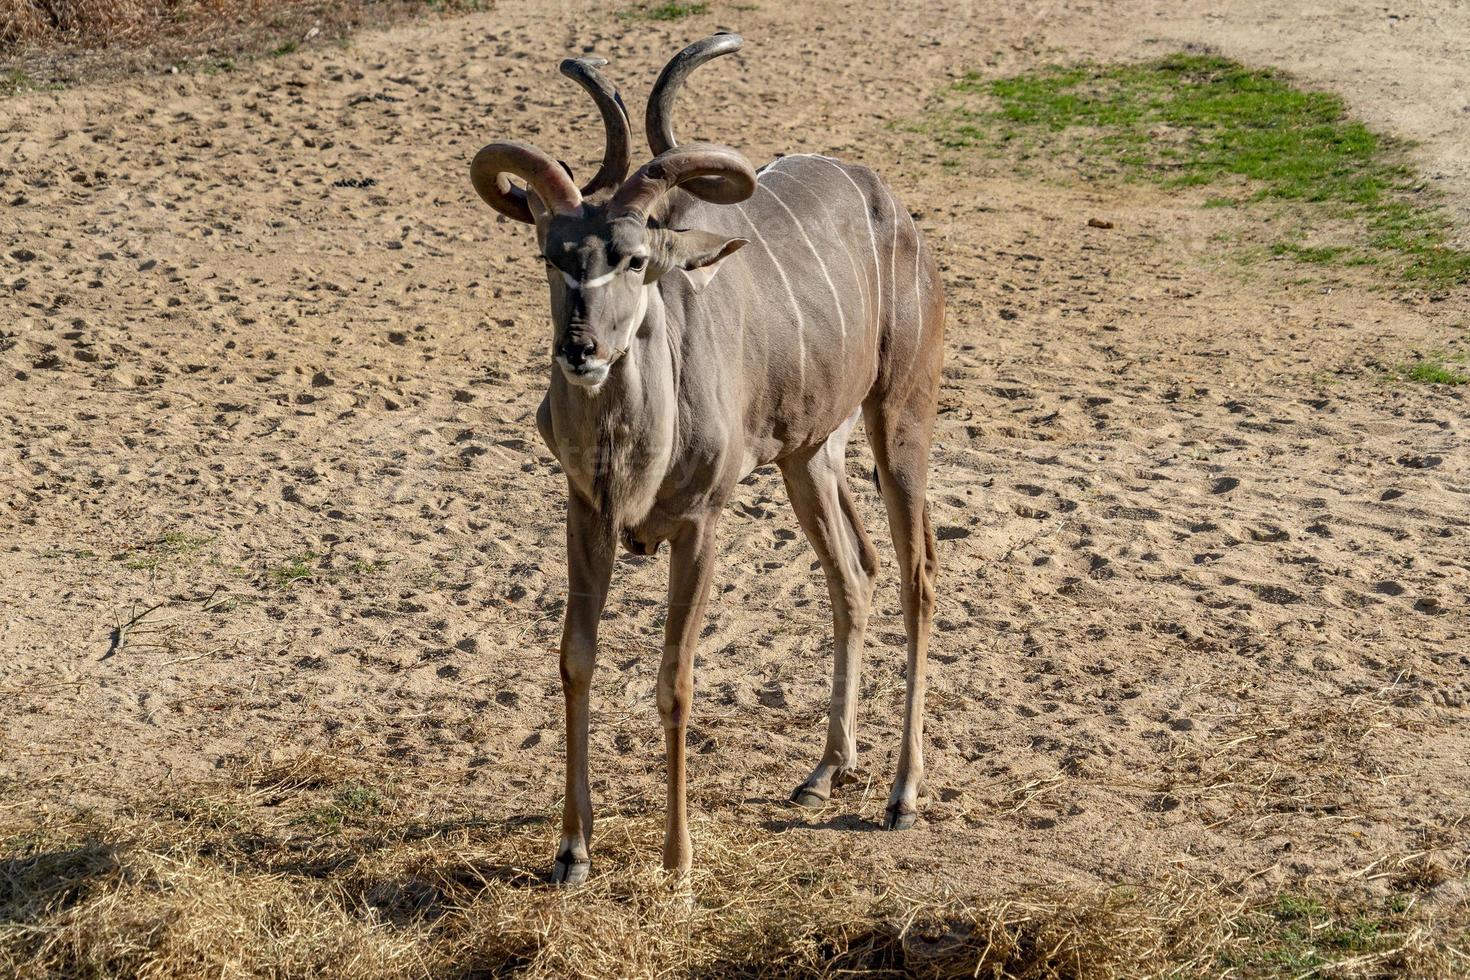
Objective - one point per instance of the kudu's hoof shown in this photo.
(569, 872)
(808, 798)
(896, 818)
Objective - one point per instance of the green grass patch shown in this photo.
(56, 553)
(1300, 936)
(294, 569)
(1323, 255)
(17, 82)
(172, 547)
(1191, 120)
(669, 10)
(1435, 373)
(1434, 368)
(351, 804)
(365, 569)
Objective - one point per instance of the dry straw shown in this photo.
(100, 22)
(39, 26)
(320, 867)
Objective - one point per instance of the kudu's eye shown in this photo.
(638, 263)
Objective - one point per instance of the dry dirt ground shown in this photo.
(268, 372)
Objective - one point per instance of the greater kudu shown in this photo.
(670, 384)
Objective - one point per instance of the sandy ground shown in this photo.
(1202, 607)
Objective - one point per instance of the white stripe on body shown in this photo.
(836, 299)
(872, 233)
(918, 288)
(918, 305)
(800, 321)
(893, 260)
(864, 288)
(918, 291)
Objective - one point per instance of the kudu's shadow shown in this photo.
(34, 884)
(792, 817)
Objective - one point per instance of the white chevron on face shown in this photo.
(575, 283)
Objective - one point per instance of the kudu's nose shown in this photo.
(578, 352)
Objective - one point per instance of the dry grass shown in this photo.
(322, 867)
(48, 42)
(98, 23)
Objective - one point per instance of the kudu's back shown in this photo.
(836, 299)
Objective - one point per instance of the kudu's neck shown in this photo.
(617, 442)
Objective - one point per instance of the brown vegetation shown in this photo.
(323, 867)
(47, 41)
(103, 22)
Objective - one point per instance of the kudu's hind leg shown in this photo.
(817, 485)
(899, 431)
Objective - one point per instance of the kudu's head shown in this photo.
(606, 243)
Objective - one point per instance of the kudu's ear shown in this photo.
(698, 253)
(540, 216)
(539, 212)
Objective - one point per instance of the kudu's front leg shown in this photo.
(692, 555)
(590, 552)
